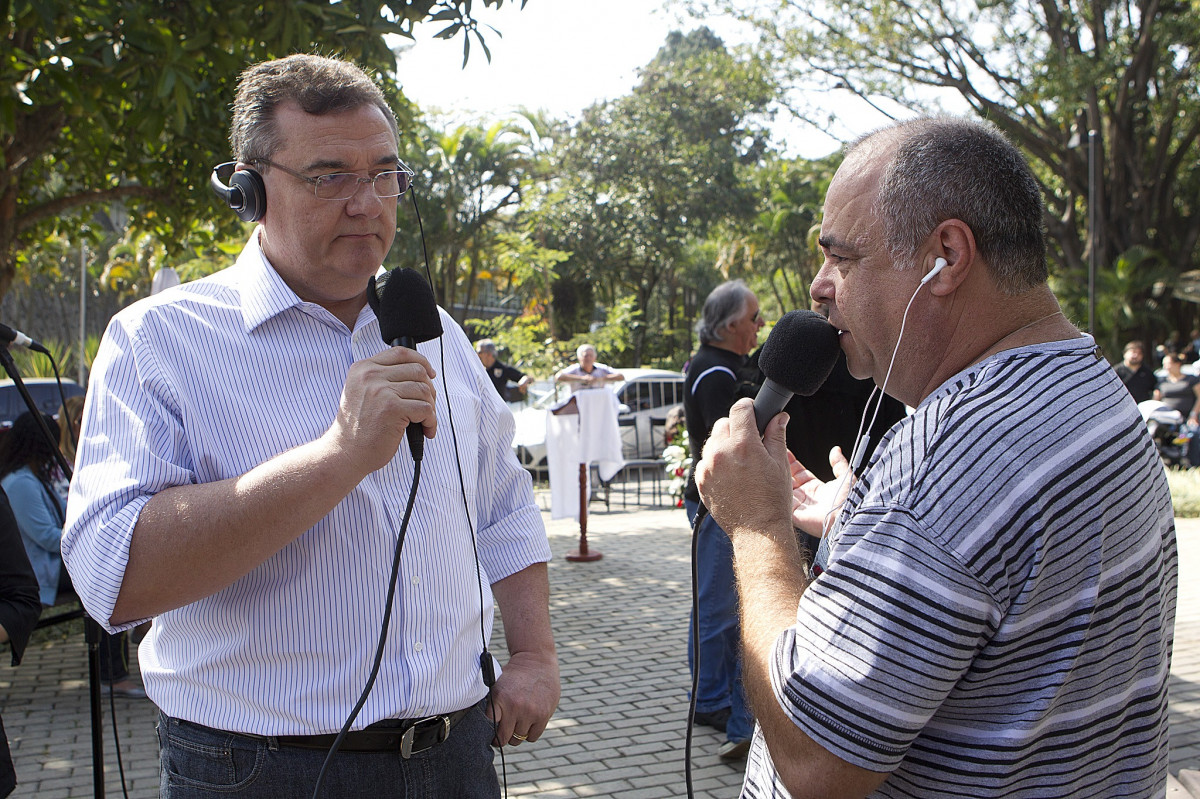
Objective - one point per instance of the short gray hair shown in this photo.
(486, 345)
(724, 304)
(946, 167)
(318, 84)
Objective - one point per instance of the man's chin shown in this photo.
(858, 366)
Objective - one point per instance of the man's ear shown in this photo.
(953, 246)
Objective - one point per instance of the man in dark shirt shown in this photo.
(500, 373)
(728, 330)
(19, 610)
(1135, 374)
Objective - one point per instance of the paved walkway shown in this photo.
(621, 625)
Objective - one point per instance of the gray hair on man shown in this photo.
(486, 345)
(723, 306)
(947, 167)
(318, 84)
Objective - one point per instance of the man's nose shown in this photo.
(822, 288)
(364, 201)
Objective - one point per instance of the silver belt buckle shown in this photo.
(406, 740)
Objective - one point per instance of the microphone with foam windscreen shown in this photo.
(407, 311)
(797, 358)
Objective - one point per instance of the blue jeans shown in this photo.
(720, 681)
(198, 762)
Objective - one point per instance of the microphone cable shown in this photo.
(864, 438)
(487, 666)
(486, 663)
(701, 514)
(387, 620)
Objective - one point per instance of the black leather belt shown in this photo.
(406, 736)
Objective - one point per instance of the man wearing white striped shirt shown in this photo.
(242, 480)
(995, 614)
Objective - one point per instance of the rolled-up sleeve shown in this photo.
(512, 535)
(131, 447)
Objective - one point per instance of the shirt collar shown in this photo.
(264, 294)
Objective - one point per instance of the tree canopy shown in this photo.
(122, 101)
(1045, 73)
(645, 174)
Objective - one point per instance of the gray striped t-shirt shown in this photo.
(995, 619)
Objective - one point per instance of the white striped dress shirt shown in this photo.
(204, 382)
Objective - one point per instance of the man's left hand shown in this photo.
(524, 698)
(526, 694)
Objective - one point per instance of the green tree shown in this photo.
(776, 250)
(121, 101)
(1045, 73)
(644, 175)
(469, 182)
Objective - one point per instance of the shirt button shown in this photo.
(416, 580)
(418, 646)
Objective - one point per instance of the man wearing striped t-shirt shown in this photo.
(243, 479)
(995, 614)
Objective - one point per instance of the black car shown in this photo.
(43, 390)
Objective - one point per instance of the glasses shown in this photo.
(344, 185)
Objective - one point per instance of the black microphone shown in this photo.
(408, 315)
(16, 337)
(797, 358)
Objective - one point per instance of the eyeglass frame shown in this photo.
(404, 169)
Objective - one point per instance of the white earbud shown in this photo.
(938, 266)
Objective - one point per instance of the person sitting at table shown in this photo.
(587, 373)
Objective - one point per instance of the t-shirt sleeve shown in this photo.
(881, 639)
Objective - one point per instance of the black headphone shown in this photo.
(246, 193)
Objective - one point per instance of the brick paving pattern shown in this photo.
(621, 628)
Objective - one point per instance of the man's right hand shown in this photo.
(382, 396)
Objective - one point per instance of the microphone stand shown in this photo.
(91, 630)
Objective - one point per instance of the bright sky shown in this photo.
(556, 55)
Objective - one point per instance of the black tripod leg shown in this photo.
(92, 636)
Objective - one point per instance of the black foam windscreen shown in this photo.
(404, 303)
(800, 352)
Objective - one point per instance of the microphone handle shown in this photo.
(414, 432)
(769, 402)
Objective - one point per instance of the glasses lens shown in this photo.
(338, 186)
(391, 184)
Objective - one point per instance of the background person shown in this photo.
(19, 611)
(999, 586)
(500, 373)
(70, 417)
(1137, 376)
(728, 329)
(587, 373)
(261, 541)
(27, 471)
(1181, 392)
(1178, 391)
